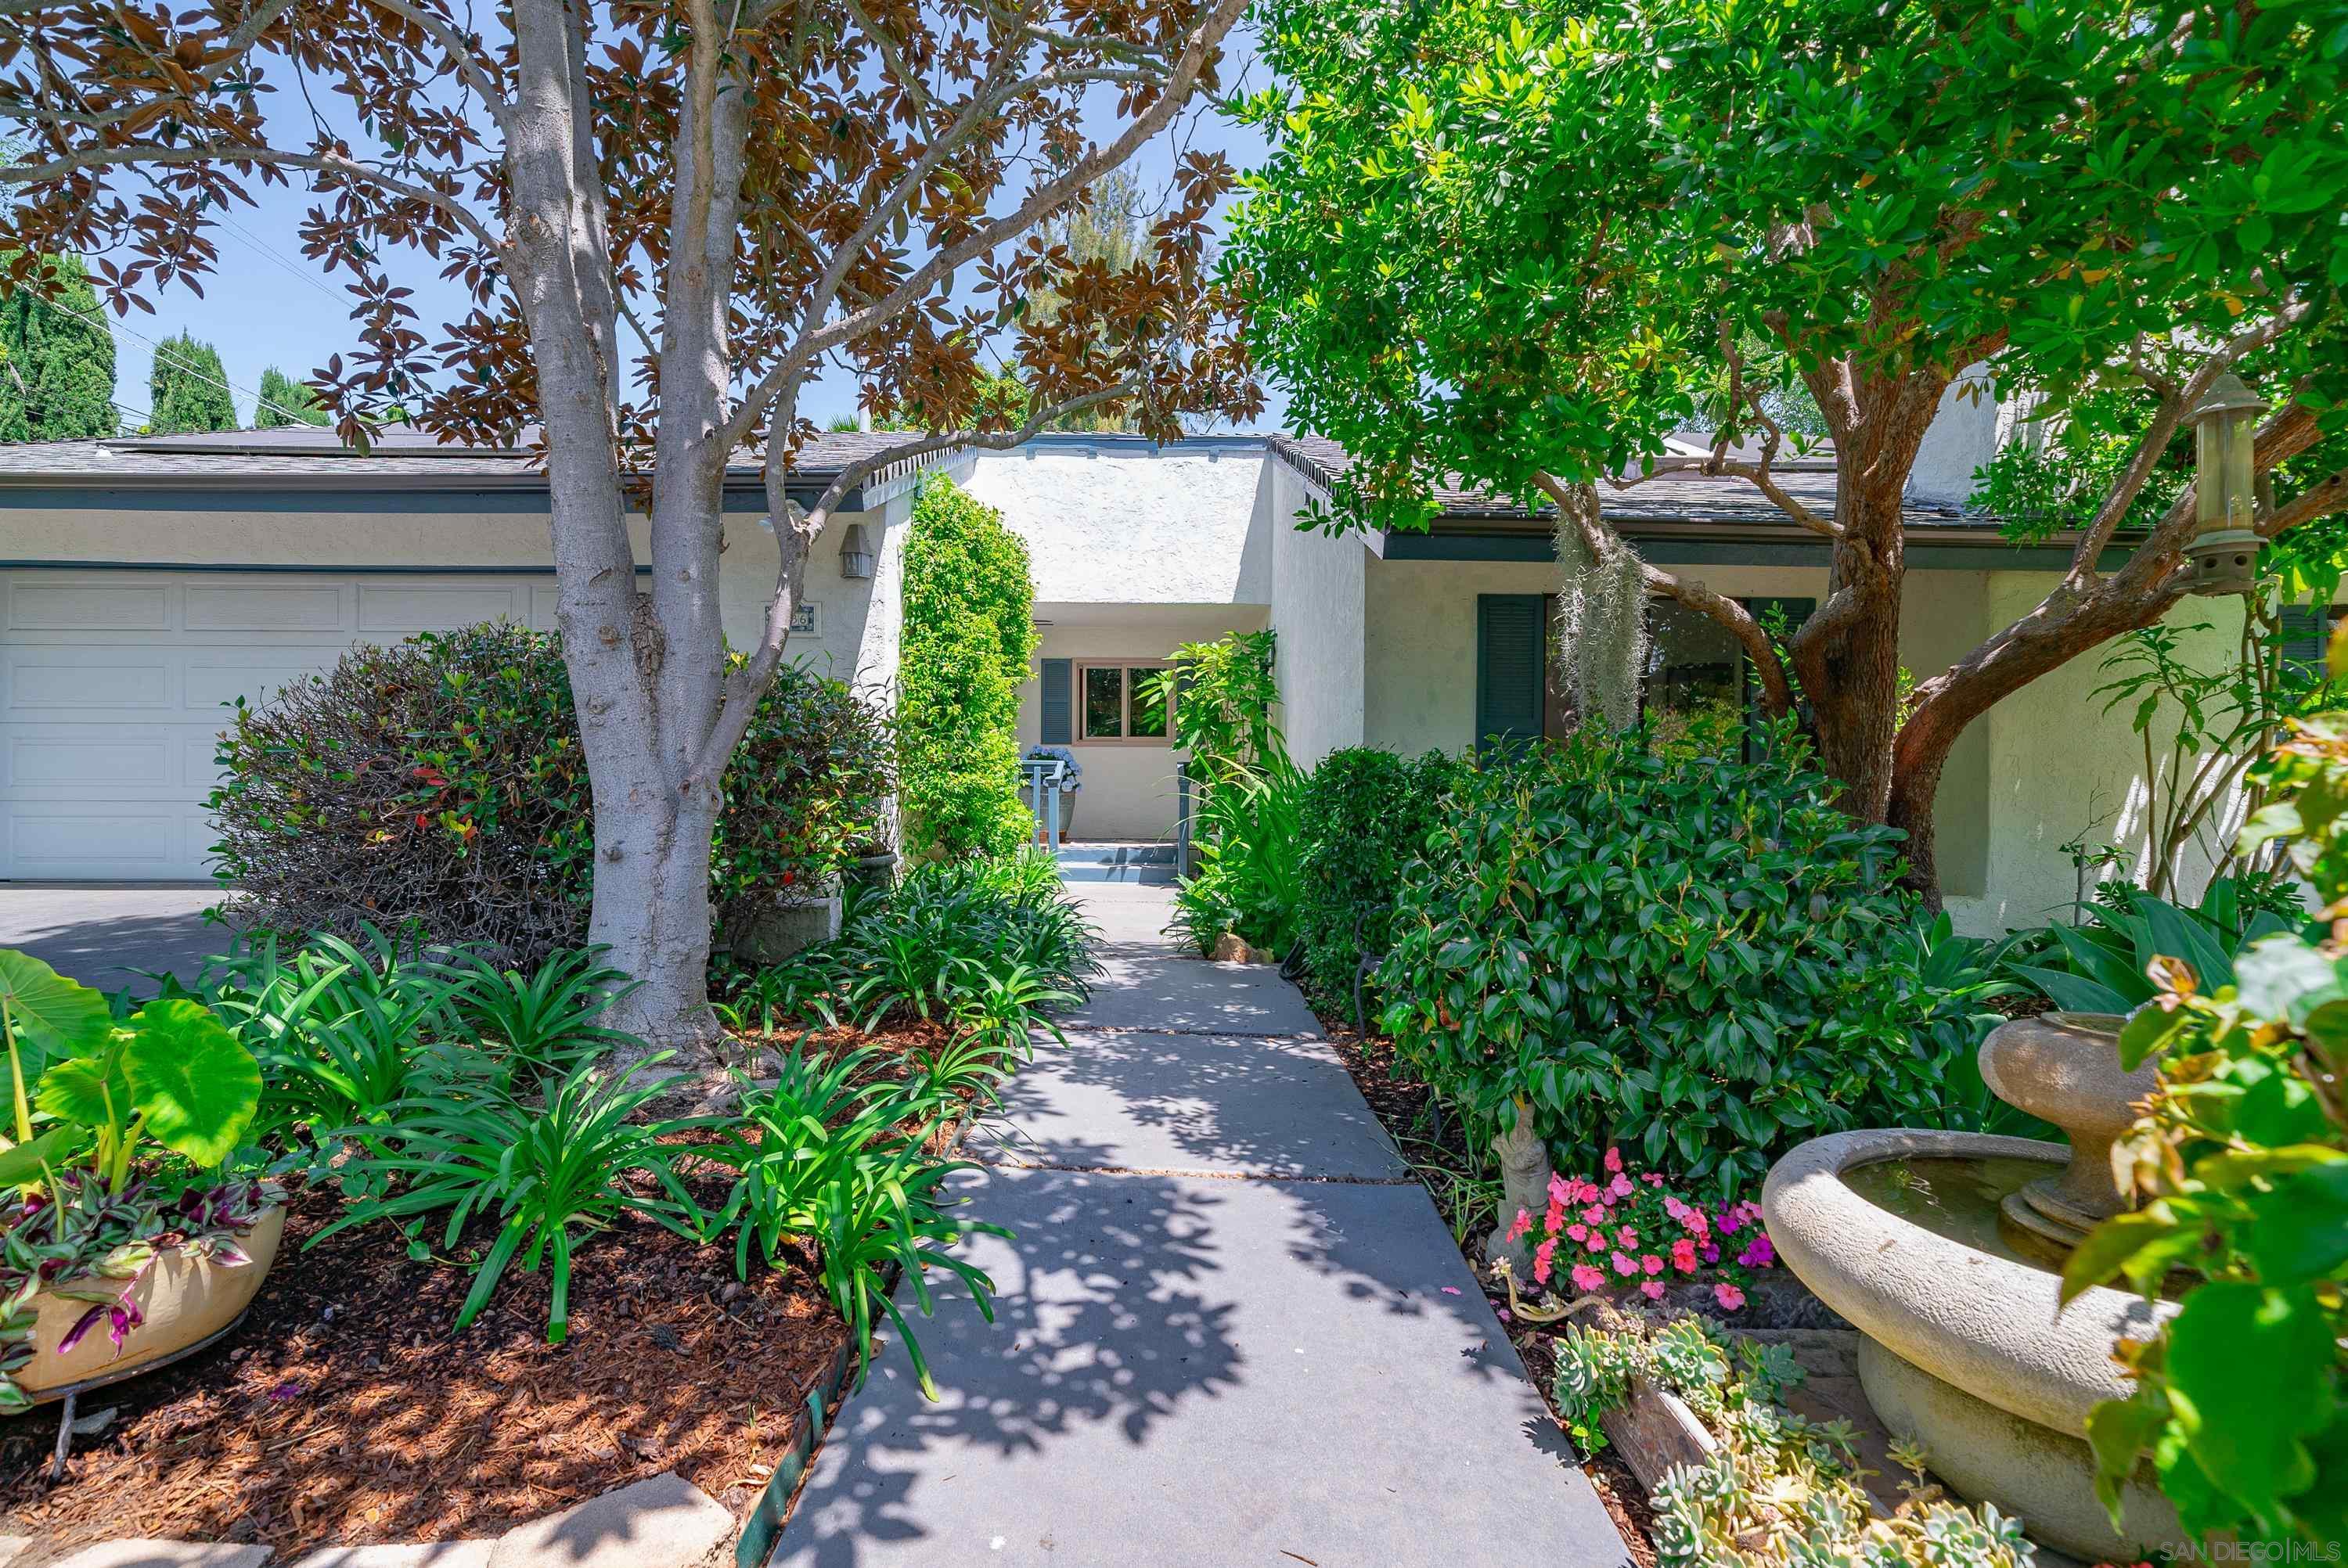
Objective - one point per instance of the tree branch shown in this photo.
(152, 154)
(472, 69)
(2174, 409)
(1173, 91)
(1579, 504)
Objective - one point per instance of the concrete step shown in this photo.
(1147, 864)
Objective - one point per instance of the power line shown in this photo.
(195, 370)
(266, 249)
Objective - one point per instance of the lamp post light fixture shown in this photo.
(2225, 551)
(856, 558)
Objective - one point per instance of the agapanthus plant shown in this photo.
(1627, 1229)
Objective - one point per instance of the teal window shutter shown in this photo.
(1059, 687)
(1508, 665)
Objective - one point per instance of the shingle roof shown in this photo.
(1675, 494)
(309, 457)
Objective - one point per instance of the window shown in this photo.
(1697, 684)
(1115, 703)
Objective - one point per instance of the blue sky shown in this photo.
(266, 306)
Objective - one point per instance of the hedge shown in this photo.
(440, 782)
(970, 630)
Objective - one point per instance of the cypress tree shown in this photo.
(57, 360)
(285, 401)
(187, 389)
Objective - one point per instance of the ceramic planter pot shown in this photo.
(185, 1301)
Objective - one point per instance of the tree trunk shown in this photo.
(652, 910)
(1848, 655)
(652, 841)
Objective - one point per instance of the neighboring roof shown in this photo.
(309, 457)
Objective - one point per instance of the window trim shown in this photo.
(1125, 703)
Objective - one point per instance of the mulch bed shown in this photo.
(345, 1410)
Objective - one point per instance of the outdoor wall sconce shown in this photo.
(2225, 552)
(856, 557)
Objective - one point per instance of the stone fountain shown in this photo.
(1945, 1251)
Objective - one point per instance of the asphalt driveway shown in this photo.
(102, 935)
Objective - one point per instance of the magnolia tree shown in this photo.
(668, 218)
(1524, 243)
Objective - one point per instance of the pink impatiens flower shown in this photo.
(1626, 1236)
(1597, 1241)
(1614, 1159)
(1543, 1255)
(1594, 1216)
(1650, 1263)
(1619, 1187)
(1683, 1256)
(1561, 1191)
(1523, 1223)
(1586, 1278)
(1729, 1296)
(1554, 1217)
(1577, 1231)
(1651, 1290)
(1625, 1265)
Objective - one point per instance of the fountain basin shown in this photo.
(1968, 1355)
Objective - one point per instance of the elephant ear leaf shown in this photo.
(196, 1086)
(60, 1017)
(20, 1164)
(89, 1090)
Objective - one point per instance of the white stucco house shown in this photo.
(144, 582)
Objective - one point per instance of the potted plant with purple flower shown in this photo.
(116, 1217)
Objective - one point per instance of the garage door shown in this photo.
(114, 683)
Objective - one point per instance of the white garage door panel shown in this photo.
(113, 687)
(82, 607)
(88, 757)
(411, 609)
(60, 840)
(76, 680)
(266, 608)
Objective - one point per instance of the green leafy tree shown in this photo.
(1525, 243)
(188, 389)
(56, 357)
(666, 226)
(285, 401)
(970, 630)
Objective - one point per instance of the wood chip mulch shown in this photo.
(345, 1410)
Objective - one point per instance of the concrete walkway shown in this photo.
(1222, 1337)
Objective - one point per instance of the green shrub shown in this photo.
(2240, 1168)
(2098, 965)
(439, 782)
(549, 1174)
(1696, 957)
(1222, 693)
(988, 946)
(970, 630)
(1250, 878)
(1364, 816)
(1251, 873)
(833, 1158)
